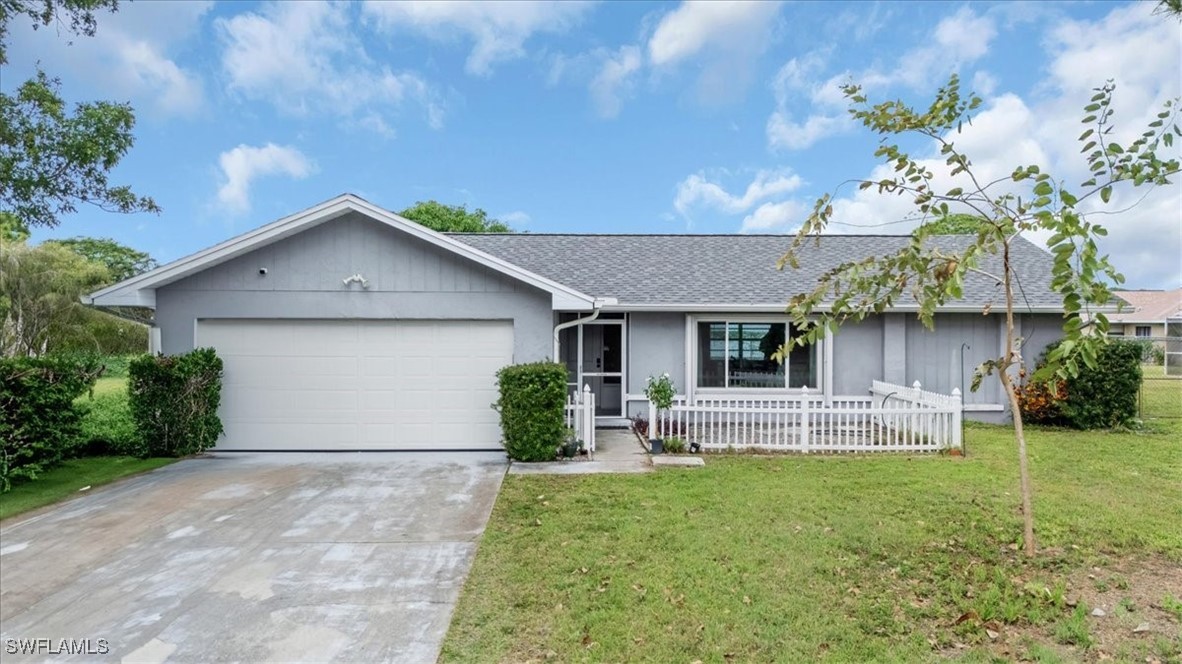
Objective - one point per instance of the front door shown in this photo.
(594, 355)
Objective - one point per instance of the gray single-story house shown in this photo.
(346, 327)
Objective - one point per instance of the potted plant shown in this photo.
(659, 392)
(571, 445)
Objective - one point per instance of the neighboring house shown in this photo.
(1146, 313)
(346, 326)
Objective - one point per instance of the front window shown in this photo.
(738, 354)
(1142, 331)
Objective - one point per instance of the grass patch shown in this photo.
(109, 385)
(797, 558)
(65, 481)
(1161, 395)
(107, 425)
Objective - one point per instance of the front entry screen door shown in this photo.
(599, 349)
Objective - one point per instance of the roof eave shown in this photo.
(141, 289)
(781, 307)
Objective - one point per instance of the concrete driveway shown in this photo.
(253, 557)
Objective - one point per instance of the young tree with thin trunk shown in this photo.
(1026, 201)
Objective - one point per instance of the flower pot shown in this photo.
(656, 446)
(569, 451)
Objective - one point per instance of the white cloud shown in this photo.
(960, 39)
(498, 29)
(964, 35)
(984, 83)
(246, 163)
(130, 55)
(725, 37)
(797, 80)
(614, 80)
(303, 57)
(699, 25)
(697, 191)
(516, 218)
(1133, 47)
(774, 217)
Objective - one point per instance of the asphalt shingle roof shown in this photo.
(1149, 306)
(731, 269)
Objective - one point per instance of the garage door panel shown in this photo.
(255, 370)
(266, 400)
(359, 384)
(296, 435)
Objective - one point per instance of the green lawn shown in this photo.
(848, 559)
(109, 386)
(65, 481)
(1161, 396)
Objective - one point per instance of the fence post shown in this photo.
(652, 421)
(916, 437)
(804, 419)
(958, 420)
(588, 408)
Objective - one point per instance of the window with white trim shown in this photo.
(1142, 331)
(738, 354)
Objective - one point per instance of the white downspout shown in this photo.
(578, 321)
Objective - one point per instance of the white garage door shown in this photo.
(352, 385)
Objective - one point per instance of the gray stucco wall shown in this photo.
(934, 356)
(857, 356)
(408, 279)
(656, 344)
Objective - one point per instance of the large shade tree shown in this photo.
(453, 218)
(40, 288)
(1027, 201)
(54, 158)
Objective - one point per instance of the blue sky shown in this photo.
(585, 117)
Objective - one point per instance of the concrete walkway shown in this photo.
(616, 451)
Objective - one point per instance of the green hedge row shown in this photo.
(174, 402)
(169, 409)
(39, 422)
(531, 402)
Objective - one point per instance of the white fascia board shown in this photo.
(127, 298)
(119, 293)
(783, 307)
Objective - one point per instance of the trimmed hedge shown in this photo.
(174, 402)
(1100, 397)
(531, 403)
(39, 422)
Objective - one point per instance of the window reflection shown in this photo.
(739, 355)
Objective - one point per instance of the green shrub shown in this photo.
(109, 428)
(531, 403)
(174, 402)
(1157, 355)
(675, 445)
(1099, 397)
(39, 422)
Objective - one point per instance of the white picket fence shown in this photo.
(580, 415)
(893, 418)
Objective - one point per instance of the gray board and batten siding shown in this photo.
(409, 279)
